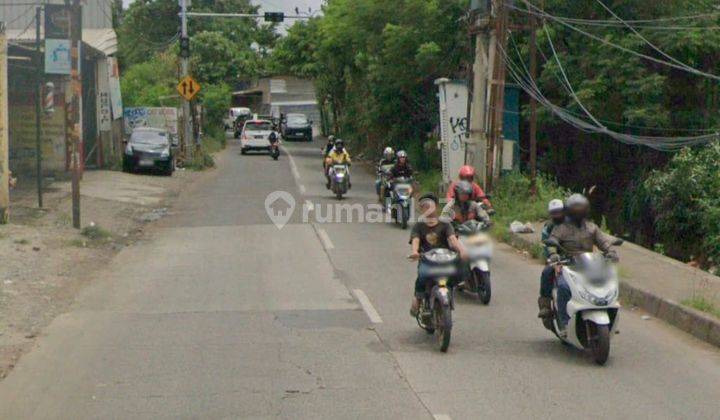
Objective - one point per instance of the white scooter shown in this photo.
(474, 237)
(593, 307)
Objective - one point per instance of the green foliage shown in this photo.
(145, 83)
(95, 233)
(150, 26)
(512, 201)
(684, 204)
(703, 304)
(216, 101)
(375, 67)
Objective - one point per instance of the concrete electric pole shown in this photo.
(4, 148)
(184, 70)
(75, 108)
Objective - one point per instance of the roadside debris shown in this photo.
(519, 227)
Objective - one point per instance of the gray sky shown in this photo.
(287, 6)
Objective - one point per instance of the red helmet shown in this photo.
(467, 172)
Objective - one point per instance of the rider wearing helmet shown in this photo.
(388, 158)
(329, 146)
(467, 173)
(556, 212)
(337, 156)
(463, 208)
(576, 235)
(402, 167)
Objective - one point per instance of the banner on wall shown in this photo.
(156, 117)
(116, 104)
(453, 97)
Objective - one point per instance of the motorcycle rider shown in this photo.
(388, 158)
(556, 211)
(467, 173)
(427, 234)
(402, 169)
(329, 146)
(337, 156)
(576, 235)
(463, 208)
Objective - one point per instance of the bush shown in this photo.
(512, 201)
(684, 204)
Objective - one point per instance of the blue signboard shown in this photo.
(57, 56)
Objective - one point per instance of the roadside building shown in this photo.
(279, 95)
(101, 103)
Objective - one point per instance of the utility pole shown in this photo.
(479, 103)
(4, 150)
(38, 98)
(497, 97)
(533, 107)
(75, 110)
(184, 69)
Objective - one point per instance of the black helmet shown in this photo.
(463, 188)
(577, 207)
(339, 145)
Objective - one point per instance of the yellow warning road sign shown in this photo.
(188, 88)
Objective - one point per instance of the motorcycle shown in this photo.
(274, 147)
(476, 274)
(401, 200)
(593, 307)
(383, 175)
(435, 314)
(339, 180)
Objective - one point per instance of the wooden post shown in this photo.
(4, 142)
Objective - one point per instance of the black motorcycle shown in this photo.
(274, 146)
(435, 315)
(401, 200)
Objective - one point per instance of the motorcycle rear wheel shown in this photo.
(404, 217)
(599, 340)
(443, 325)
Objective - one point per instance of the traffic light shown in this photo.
(274, 17)
(185, 47)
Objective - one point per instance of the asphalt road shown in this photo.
(223, 315)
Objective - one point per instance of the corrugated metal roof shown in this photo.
(103, 40)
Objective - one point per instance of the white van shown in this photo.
(232, 115)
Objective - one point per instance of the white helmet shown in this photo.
(388, 153)
(555, 206)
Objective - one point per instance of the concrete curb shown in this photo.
(701, 325)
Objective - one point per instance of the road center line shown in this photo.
(325, 239)
(293, 166)
(302, 189)
(441, 417)
(367, 306)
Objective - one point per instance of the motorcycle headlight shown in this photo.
(128, 149)
(165, 153)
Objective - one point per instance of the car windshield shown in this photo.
(297, 119)
(149, 137)
(258, 126)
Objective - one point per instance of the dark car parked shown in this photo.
(297, 127)
(150, 148)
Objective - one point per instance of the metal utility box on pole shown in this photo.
(4, 145)
(75, 111)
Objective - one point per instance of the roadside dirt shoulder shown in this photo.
(45, 262)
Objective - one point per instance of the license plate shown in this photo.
(146, 162)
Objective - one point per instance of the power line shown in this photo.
(653, 46)
(627, 50)
(662, 143)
